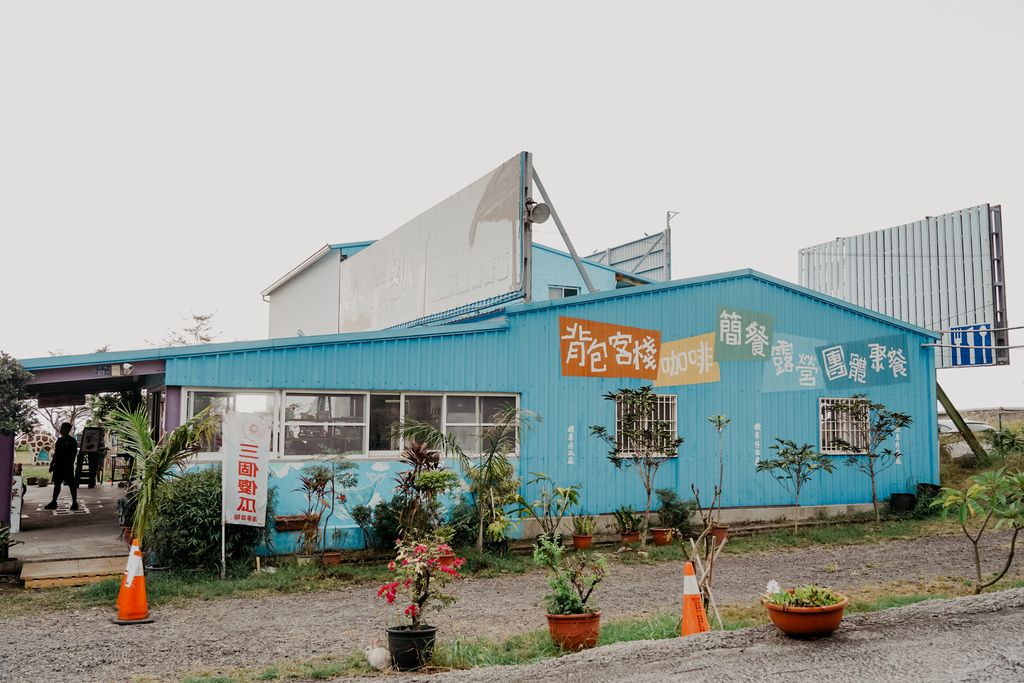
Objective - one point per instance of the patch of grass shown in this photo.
(488, 565)
(857, 533)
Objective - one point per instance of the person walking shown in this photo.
(65, 451)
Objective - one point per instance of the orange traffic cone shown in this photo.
(132, 607)
(695, 620)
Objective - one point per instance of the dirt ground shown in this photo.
(220, 635)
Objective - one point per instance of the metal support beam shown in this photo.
(565, 236)
(954, 415)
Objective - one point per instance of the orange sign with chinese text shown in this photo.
(592, 349)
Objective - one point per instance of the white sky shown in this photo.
(157, 158)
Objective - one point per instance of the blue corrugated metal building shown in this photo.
(766, 353)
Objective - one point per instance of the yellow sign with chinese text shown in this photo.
(688, 361)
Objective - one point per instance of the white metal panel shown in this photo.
(464, 251)
(938, 273)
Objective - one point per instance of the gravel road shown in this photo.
(237, 632)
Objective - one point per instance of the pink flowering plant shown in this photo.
(420, 577)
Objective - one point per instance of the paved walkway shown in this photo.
(89, 532)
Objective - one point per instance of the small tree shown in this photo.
(793, 466)
(157, 460)
(492, 477)
(551, 507)
(642, 442)
(15, 409)
(869, 456)
(996, 495)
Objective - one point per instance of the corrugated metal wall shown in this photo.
(936, 273)
(681, 312)
(524, 357)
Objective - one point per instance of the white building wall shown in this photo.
(309, 301)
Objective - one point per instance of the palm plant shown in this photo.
(157, 460)
(492, 476)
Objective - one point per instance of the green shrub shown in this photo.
(185, 531)
(676, 513)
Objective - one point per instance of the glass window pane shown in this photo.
(224, 401)
(462, 410)
(494, 405)
(424, 409)
(325, 408)
(321, 440)
(467, 438)
(384, 412)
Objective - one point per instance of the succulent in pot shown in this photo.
(583, 531)
(807, 612)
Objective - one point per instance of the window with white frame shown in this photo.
(476, 420)
(562, 292)
(223, 401)
(843, 419)
(312, 423)
(321, 423)
(664, 411)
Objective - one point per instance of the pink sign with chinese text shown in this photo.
(246, 454)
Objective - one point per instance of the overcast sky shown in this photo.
(162, 158)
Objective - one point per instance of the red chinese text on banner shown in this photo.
(246, 455)
(592, 349)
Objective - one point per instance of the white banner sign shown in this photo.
(246, 451)
(16, 504)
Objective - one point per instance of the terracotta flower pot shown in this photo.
(807, 623)
(331, 559)
(720, 532)
(575, 632)
(662, 536)
(446, 560)
(581, 542)
(630, 538)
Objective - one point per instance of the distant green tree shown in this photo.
(15, 408)
(102, 405)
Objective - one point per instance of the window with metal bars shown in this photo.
(664, 411)
(846, 419)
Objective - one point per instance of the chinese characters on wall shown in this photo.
(743, 335)
(866, 362)
(592, 349)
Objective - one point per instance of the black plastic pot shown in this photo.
(903, 502)
(411, 649)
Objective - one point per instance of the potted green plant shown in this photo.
(573, 622)
(6, 541)
(808, 612)
(718, 530)
(628, 523)
(583, 531)
(420, 578)
(490, 472)
(552, 505)
(674, 513)
(42, 481)
(314, 482)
